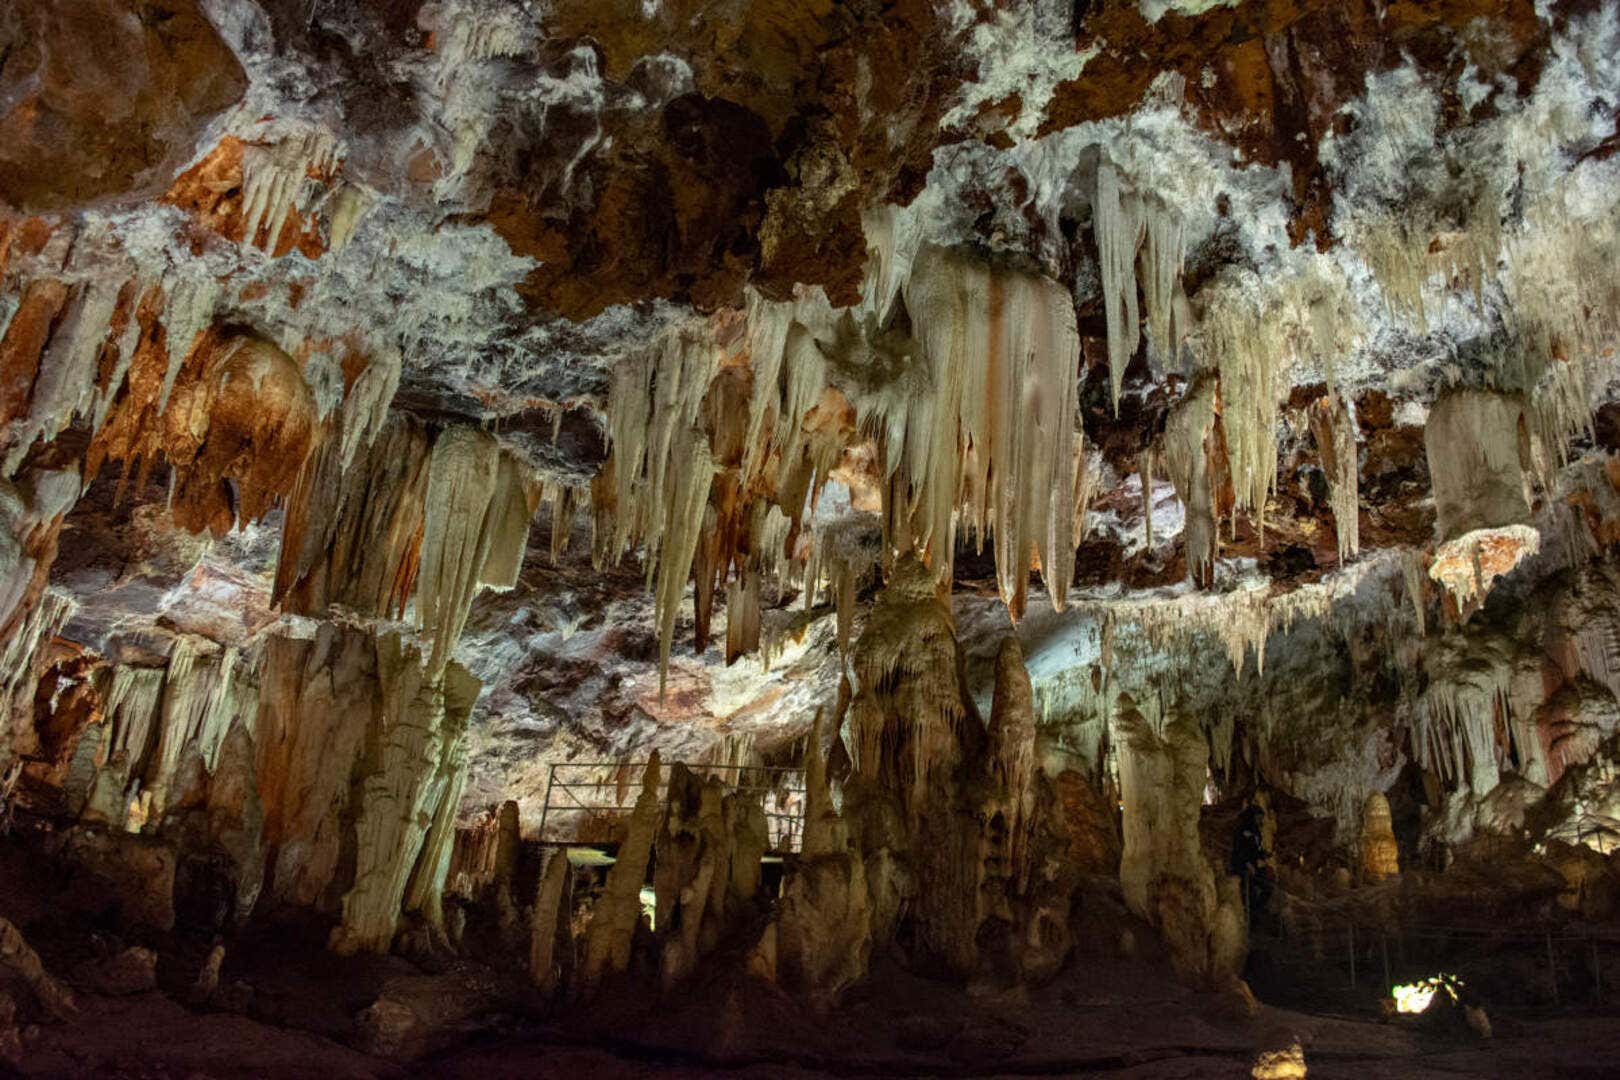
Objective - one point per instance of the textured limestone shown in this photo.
(410, 788)
(15, 952)
(618, 909)
(101, 103)
(547, 927)
(1380, 855)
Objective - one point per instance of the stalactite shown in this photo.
(479, 506)
(1405, 254)
(1467, 566)
(1252, 352)
(511, 509)
(1145, 469)
(1117, 220)
(564, 500)
(1561, 299)
(366, 406)
(742, 615)
(653, 404)
(129, 711)
(1413, 570)
(30, 626)
(203, 697)
(1476, 461)
(660, 469)
(189, 311)
(64, 389)
(693, 471)
(1335, 432)
(985, 439)
(275, 181)
(352, 533)
(346, 206)
(1165, 304)
(1242, 620)
(1188, 428)
(469, 35)
(1455, 727)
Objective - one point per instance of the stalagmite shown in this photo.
(1335, 433)
(1380, 856)
(546, 924)
(742, 615)
(1163, 872)
(318, 696)
(692, 875)
(824, 923)
(618, 909)
(1011, 753)
(407, 797)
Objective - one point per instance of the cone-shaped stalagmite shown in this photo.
(1380, 855)
(618, 909)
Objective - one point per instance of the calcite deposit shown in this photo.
(909, 537)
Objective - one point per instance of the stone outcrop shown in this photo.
(101, 103)
(20, 959)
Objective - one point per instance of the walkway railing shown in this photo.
(581, 805)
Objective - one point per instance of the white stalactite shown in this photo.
(1187, 430)
(1335, 432)
(1118, 221)
(275, 180)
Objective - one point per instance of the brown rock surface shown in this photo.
(106, 98)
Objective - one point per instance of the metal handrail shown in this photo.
(785, 837)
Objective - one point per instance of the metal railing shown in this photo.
(578, 802)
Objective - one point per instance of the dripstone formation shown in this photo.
(926, 537)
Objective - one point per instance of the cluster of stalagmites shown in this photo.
(931, 834)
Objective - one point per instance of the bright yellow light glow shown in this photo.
(1415, 997)
(649, 905)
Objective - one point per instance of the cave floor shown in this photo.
(1106, 1014)
(1112, 1018)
